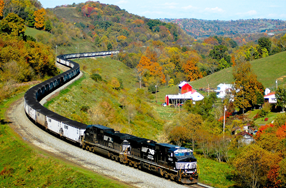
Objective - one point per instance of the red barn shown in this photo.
(186, 92)
(184, 87)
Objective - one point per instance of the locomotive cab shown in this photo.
(185, 160)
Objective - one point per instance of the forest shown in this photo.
(155, 54)
(205, 28)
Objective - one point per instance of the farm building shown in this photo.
(270, 97)
(186, 92)
(223, 89)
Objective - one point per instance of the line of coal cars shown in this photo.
(174, 162)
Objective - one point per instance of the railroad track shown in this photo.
(200, 185)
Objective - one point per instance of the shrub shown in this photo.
(152, 89)
(96, 77)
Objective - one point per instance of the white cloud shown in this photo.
(152, 12)
(214, 10)
(189, 7)
(249, 13)
(170, 5)
(274, 6)
(122, 2)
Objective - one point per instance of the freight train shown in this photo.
(169, 161)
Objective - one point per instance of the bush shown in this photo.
(152, 89)
(96, 77)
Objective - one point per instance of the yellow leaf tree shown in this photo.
(40, 18)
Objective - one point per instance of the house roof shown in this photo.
(269, 94)
(183, 83)
(245, 133)
(194, 95)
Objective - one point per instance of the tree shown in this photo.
(1, 8)
(115, 83)
(13, 25)
(48, 25)
(280, 95)
(40, 18)
(109, 46)
(219, 52)
(223, 64)
(264, 42)
(179, 135)
(252, 165)
(246, 86)
(191, 69)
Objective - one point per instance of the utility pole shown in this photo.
(224, 109)
(56, 52)
(156, 93)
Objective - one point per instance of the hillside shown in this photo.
(205, 28)
(109, 27)
(267, 70)
(121, 107)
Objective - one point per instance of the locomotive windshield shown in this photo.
(183, 152)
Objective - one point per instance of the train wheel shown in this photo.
(83, 146)
(87, 148)
(130, 163)
(166, 175)
(90, 149)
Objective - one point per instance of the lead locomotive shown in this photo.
(170, 161)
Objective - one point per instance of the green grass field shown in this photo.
(267, 70)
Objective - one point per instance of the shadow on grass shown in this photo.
(4, 122)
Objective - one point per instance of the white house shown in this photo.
(223, 89)
(270, 97)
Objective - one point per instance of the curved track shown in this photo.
(31, 133)
(42, 139)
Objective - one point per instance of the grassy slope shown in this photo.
(79, 45)
(267, 70)
(23, 165)
(92, 94)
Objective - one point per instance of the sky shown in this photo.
(199, 9)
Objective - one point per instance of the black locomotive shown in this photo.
(170, 161)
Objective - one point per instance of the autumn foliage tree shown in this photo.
(40, 18)
(13, 25)
(246, 86)
(151, 72)
(191, 69)
(1, 8)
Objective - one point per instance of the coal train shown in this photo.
(170, 161)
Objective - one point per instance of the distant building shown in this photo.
(270, 97)
(186, 92)
(247, 138)
(223, 89)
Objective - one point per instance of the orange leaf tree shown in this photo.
(1, 8)
(191, 70)
(40, 18)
